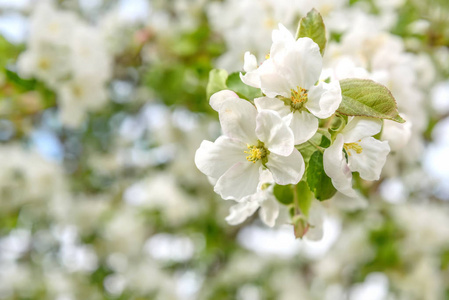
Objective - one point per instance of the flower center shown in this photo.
(44, 64)
(77, 91)
(257, 152)
(298, 96)
(297, 99)
(353, 146)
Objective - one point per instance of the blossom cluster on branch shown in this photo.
(263, 146)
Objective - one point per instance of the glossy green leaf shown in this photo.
(364, 97)
(283, 193)
(325, 142)
(305, 197)
(312, 26)
(319, 183)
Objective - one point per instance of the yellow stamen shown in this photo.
(298, 96)
(353, 146)
(77, 91)
(256, 153)
(44, 64)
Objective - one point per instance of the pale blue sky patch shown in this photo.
(14, 27)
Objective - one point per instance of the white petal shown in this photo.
(240, 212)
(272, 104)
(269, 211)
(218, 98)
(275, 134)
(265, 177)
(397, 134)
(214, 159)
(251, 77)
(337, 169)
(304, 126)
(370, 161)
(272, 81)
(282, 39)
(324, 99)
(239, 181)
(359, 127)
(212, 180)
(273, 84)
(286, 170)
(301, 64)
(238, 120)
(250, 62)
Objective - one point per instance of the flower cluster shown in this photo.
(69, 56)
(266, 139)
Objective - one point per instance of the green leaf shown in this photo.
(325, 142)
(364, 97)
(305, 197)
(319, 183)
(244, 91)
(283, 193)
(217, 81)
(312, 26)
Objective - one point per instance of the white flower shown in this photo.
(250, 142)
(288, 80)
(78, 96)
(51, 25)
(365, 154)
(46, 62)
(263, 198)
(89, 56)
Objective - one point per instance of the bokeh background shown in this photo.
(103, 105)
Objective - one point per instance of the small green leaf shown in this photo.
(364, 97)
(283, 193)
(244, 91)
(217, 81)
(305, 197)
(325, 142)
(312, 26)
(320, 184)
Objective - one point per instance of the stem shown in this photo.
(328, 122)
(295, 200)
(316, 146)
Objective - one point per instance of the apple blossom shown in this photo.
(288, 79)
(365, 154)
(252, 141)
